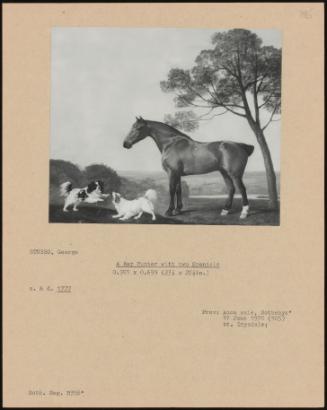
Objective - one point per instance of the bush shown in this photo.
(62, 171)
(110, 178)
(130, 188)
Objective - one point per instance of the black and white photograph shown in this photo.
(168, 259)
(165, 126)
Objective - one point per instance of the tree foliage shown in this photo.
(225, 76)
(185, 120)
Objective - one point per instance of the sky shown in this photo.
(103, 77)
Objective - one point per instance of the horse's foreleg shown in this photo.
(231, 191)
(179, 196)
(173, 180)
(240, 186)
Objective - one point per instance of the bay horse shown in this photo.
(181, 155)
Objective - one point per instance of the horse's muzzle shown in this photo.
(127, 145)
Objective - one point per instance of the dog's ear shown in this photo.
(101, 186)
(91, 187)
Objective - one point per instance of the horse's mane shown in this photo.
(169, 127)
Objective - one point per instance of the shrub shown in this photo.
(110, 178)
(130, 188)
(62, 171)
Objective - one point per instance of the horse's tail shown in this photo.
(248, 148)
(65, 188)
(151, 195)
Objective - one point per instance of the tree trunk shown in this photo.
(270, 172)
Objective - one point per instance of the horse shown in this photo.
(181, 156)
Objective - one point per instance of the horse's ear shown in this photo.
(140, 119)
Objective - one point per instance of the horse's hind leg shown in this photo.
(240, 186)
(231, 191)
(179, 196)
(173, 180)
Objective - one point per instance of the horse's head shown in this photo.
(138, 132)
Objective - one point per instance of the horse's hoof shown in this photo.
(177, 212)
(245, 212)
(224, 212)
(169, 212)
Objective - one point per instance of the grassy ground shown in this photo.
(202, 211)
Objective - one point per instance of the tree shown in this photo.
(186, 120)
(237, 75)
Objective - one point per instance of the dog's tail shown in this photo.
(151, 195)
(65, 188)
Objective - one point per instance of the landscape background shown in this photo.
(101, 79)
(203, 195)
